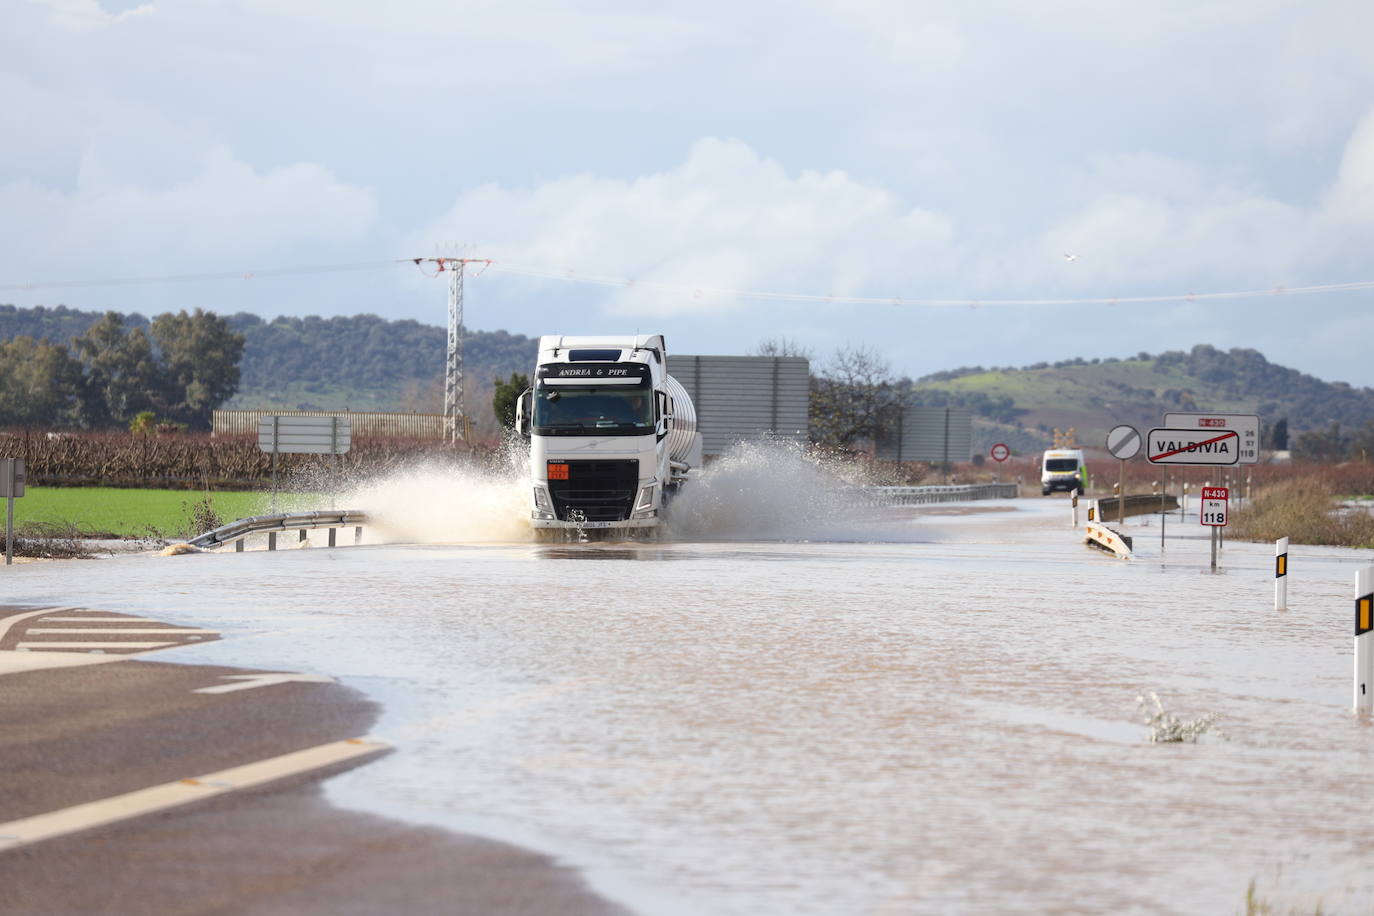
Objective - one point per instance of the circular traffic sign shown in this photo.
(1123, 441)
(1000, 452)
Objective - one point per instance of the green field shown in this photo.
(96, 511)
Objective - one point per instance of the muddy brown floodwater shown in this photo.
(918, 713)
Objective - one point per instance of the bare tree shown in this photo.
(783, 346)
(852, 398)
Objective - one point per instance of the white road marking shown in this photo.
(15, 662)
(7, 622)
(103, 644)
(183, 791)
(156, 631)
(250, 681)
(97, 619)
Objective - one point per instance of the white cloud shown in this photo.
(88, 15)
(725, 217)
(226, 213)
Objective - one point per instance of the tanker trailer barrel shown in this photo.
(684, 442)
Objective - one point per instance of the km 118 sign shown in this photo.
(1192, 446)
(1214, 503)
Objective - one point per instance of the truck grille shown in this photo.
(601, 491)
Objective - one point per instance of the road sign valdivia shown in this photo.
(1192, 446)
(1245, 425)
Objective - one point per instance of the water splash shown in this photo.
(776, 490)
(759, 490)
(448, 502)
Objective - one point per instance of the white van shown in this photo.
(1063, 469)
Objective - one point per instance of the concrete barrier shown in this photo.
(1108, 507)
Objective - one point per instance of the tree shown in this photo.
(1329, 444)
(199, 356)
(506, 396)
(40, 384)
(122, 375)
(783, 346)
(853, 398)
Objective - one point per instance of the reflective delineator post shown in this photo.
(1073, 506)
(1364, 640)
(1281, 574)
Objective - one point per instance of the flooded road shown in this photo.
(926, 713)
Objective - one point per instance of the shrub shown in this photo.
(1305, 510)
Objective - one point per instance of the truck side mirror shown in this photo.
(522, 412)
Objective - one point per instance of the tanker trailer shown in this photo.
(612, 435)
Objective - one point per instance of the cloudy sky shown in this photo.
(909, 176)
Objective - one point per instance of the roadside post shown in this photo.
(1214, 513)
(1364, 642)
(289, 434)
(1162, 515)
(1000, 452)
(1123, 442)
(1073, 506)
(12, 483)
(1281, 574)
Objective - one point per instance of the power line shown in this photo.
(193, 278)
(572, 276)
(569, 275)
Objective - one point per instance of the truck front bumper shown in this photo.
(592, 526)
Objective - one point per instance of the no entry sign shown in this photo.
(1214, 503)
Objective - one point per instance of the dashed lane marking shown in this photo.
(122, 631)
(251, 681)
(182, 791)
(104, 645)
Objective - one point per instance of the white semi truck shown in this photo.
(612, 435)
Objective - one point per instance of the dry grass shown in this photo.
(1306, 510)
(48, 540)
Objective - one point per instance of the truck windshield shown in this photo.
(1061, 464)
(594, 410)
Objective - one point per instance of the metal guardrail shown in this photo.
(911, 496)
(235, 532)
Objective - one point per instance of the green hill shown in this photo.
(362, 362)
(366, 362)
(1022, 406)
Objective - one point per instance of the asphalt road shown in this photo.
(84, 732)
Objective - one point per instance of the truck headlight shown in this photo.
(645, 502)
(542, 506)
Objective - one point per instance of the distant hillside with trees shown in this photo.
(174, 365)
(362, 362)
(1316, 419)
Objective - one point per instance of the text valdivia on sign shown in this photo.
(1221, 447)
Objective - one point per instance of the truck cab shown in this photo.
(611, 433)
(1063, 469)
